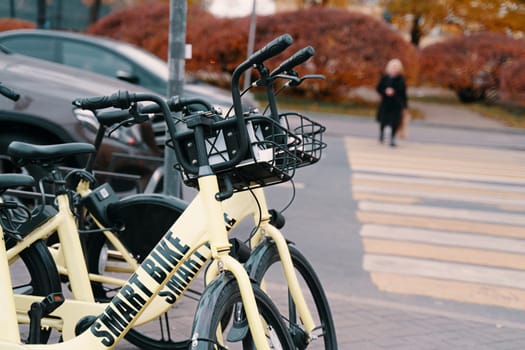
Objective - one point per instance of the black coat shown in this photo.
(390, 108)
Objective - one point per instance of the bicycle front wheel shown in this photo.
(220, 322)
(264, 267)
(35, 273)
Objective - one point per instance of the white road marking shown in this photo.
(444, 270)
(455, 239)
(441, 212)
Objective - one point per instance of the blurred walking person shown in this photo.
(392, 89)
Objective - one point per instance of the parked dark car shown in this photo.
(45, 115)
(111, 58)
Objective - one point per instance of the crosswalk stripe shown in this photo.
(445, 270)
(437, 173)
(441, 224)
(446, 213)
(356, 146)
(442, 253)
(384, 198)
(441, 220)
(443, 238)
(441, 195)
(451, 290)
(462, 186)
(458, 166)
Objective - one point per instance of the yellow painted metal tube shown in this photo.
(248, 300)
(291, 277)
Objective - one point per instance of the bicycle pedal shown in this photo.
(39, 310)
(50, 303)
(238, 331)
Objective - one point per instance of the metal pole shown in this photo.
(176, 54)
(251, 43)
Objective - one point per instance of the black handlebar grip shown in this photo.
(299, 57)
(271, 49)
(9, 93)
(121, 99)
(112, 117)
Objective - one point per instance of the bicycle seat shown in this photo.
(15, 180)
(23, 153)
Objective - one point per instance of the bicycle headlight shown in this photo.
(127, 135)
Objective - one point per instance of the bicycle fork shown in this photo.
(220, 248)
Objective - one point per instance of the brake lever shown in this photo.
(303, 78)
(289, 77)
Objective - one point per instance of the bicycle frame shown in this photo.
(200, 224)
(240, 206)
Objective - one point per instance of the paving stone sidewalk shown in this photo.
(365, 324)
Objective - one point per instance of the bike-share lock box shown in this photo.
(276, 149)
(97, 203)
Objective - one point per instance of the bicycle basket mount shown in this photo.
(276, 149)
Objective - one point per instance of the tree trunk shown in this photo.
(94, 11)
(415, 32)
(41, 14)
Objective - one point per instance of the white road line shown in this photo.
(438, 182)
(441, 212)
(436, 173)
(455, 239)
(445, 271)
(443, 195)
(432, 150)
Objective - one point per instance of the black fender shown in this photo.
(208, 301)
(256, 256)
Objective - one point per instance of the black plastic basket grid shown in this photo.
(274, 154)
(310, 149)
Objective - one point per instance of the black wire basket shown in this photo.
(276, 149)
(310, 149)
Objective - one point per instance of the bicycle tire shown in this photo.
(264, 256)
(215, 307)
(141, 213)
(42, 273)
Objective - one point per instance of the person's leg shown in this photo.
(393, 135)
(382, 132)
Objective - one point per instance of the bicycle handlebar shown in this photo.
(9, 93)
(124, 100)
(273, 48)
(299, 57)
(121, 99)
(175, 104)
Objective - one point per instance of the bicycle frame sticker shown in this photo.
(132, 298)
(184, 275)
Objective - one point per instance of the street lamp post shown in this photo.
(251, 43)
(176, 54)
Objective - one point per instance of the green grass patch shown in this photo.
(356, 108)
(509, 115)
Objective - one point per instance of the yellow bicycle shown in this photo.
(199, 229)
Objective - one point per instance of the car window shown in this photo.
(150, 81)
(39, 47)
(92, 58)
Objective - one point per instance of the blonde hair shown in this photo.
(394, 66)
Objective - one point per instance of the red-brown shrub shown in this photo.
(512, 80)
(14, 23)
(470, 65)
(351, 48)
